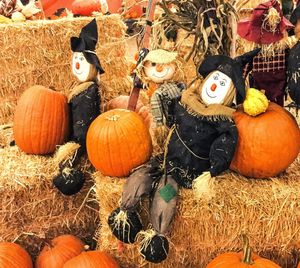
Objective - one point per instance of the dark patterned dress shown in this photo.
(293, 74)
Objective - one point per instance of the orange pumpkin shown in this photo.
(121, 102)
(267, 143)
(60, 250)
(14, 256)
(118, 141)
(241, 260)
(92, 259)
(41, 120)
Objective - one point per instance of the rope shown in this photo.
(184, 144)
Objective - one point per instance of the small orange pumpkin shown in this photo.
(92, 259)
(14, 256)
(241, 260)
(41, 120)
(60, 250)
(267, 143)
(121, 102)
(118, 141)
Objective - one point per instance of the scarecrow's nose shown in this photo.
(159, 68)
(213, 87)
(77, 65)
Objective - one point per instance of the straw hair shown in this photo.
(264, 210)
(32, 210)
(40, 54)
(271, 20)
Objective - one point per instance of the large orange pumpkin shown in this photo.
(92, 259)
(60, 250)
(241, 259)
(118, 141)
(14, 256)
(41, 120)
(267, 143)
(121, 102)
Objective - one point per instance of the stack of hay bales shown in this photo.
(266, 210)
(38, 52)
(32, 210)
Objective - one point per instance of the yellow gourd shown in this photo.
(255, 103)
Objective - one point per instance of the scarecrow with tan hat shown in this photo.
(200, 145)
(267, 29)
(161, 74)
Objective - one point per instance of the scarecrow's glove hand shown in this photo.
(203, 186)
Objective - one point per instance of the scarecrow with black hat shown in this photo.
(200, 145)
(267, 29)
(84, 104)
(293, 67)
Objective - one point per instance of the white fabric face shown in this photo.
(80, 67)
(215, 88)
(159, 73)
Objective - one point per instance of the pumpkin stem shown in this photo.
(113, 118)
(247, 258)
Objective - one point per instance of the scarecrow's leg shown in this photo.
(155, 246)
(124, 221)
(69, 181)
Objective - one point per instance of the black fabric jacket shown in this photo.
(199, 144)
(84, 107)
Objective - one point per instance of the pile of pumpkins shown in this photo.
(118, 140)
(65, 251)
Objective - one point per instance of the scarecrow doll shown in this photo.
(267, 29)
(161, 73)
(84, 104)
(200, 145)
(293, 66)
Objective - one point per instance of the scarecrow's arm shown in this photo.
(162, 101)
(223, 148)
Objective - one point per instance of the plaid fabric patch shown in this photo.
(269, 64)
(165, 91)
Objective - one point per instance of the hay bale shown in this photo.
(38, 52)
(32, 209)
(266, 210)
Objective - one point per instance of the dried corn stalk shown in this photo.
(211, 22)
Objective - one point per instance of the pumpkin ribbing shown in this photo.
(267, 143)
(41, 120)
(60, 250)
(117, 142)
(14, 256)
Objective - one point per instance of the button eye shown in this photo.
(222, 83)
(153, 64)
(215, 77)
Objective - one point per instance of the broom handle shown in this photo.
(134, 94)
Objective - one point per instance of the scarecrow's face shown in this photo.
(80, 67)
(159, 73)
(215, 88)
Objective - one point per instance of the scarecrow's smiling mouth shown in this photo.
(207, 92)
(162, 74)
(78, 71)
